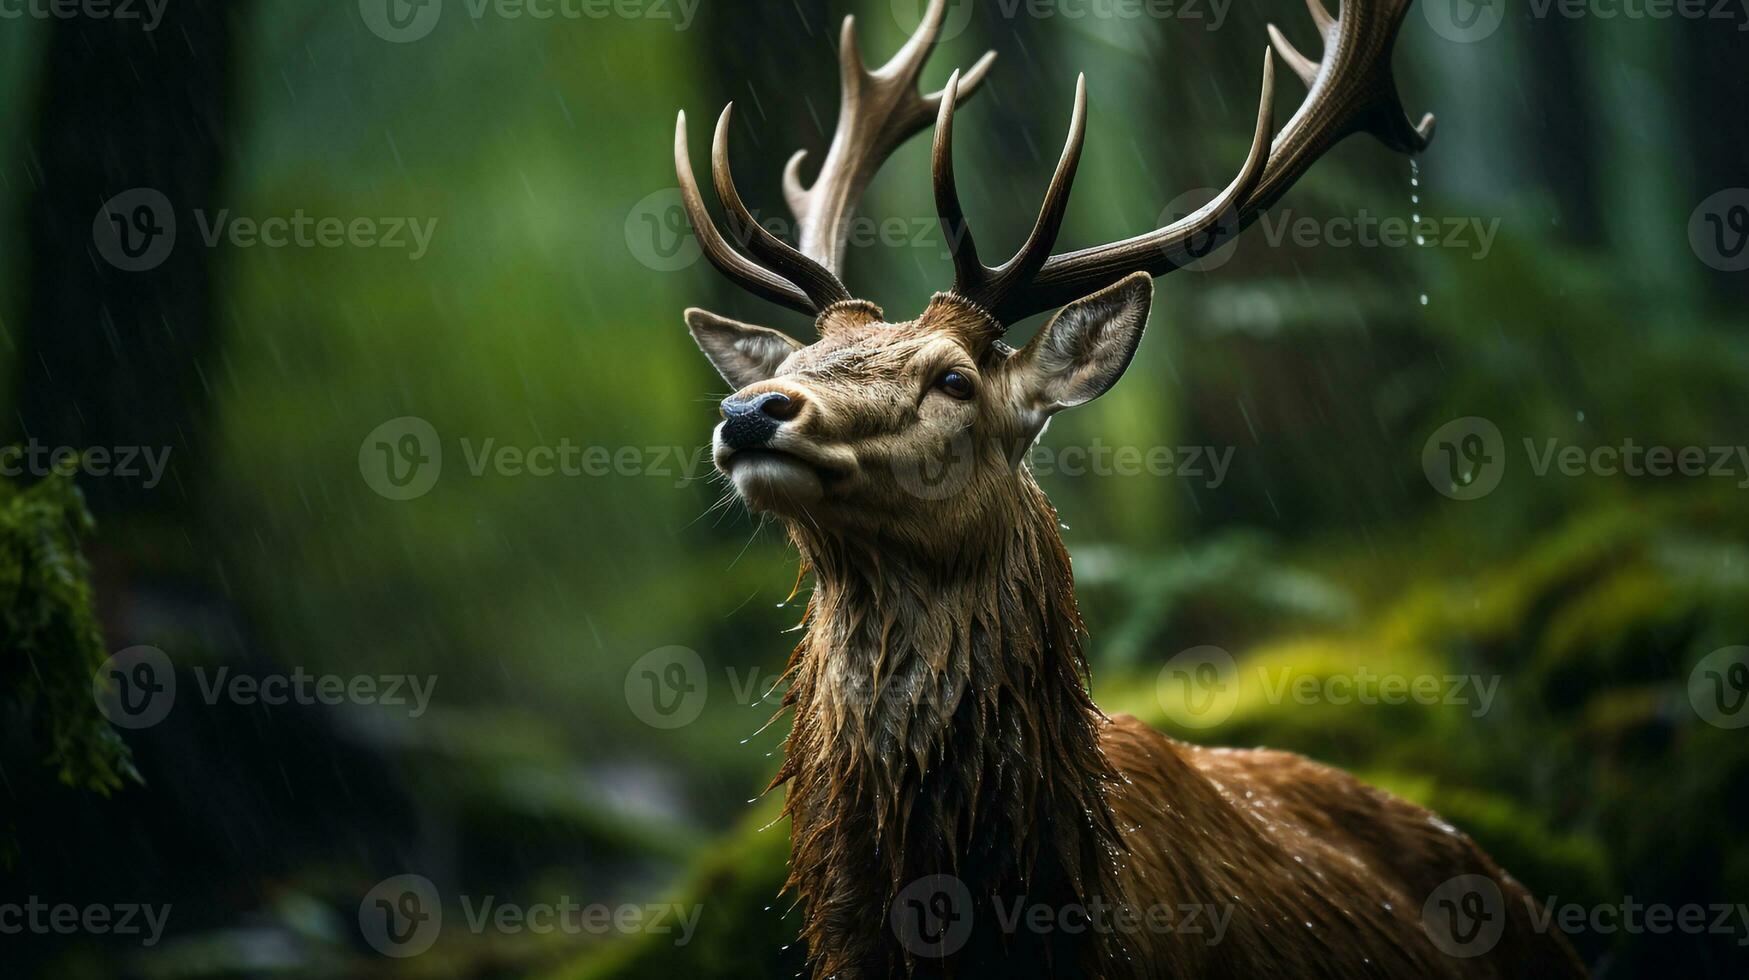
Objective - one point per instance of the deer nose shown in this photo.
(752, 420)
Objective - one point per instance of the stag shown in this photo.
(946, 761)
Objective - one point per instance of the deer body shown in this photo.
(958, 804)
(942, 727)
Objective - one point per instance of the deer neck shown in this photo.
(942, 726)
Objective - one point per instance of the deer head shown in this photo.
(843, 435)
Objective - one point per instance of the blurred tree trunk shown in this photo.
(1718, 140)
(109, 357)
(1641, 152)
(1563, 124)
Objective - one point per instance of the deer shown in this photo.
(947, 774)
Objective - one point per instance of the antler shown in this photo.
(973, 280)
(878, 111)
(1351, 91)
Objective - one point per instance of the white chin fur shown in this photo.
(774, 482)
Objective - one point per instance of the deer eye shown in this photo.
(955, 385)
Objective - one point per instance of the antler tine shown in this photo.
(1032, 255)
(821, 286)
(878, 111)
(1352, 90)
(908, 61)
(1302, 66)
(974, 281)
(729, 262)
(967, 267)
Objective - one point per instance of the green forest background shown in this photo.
(548, 308)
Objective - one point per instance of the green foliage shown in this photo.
(1219, 587)
(50, 643)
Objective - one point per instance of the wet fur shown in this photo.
(942, 725)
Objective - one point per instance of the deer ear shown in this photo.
(1085, 348)
(741, 352)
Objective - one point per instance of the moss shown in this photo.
(1624, 602)
(50, 643)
